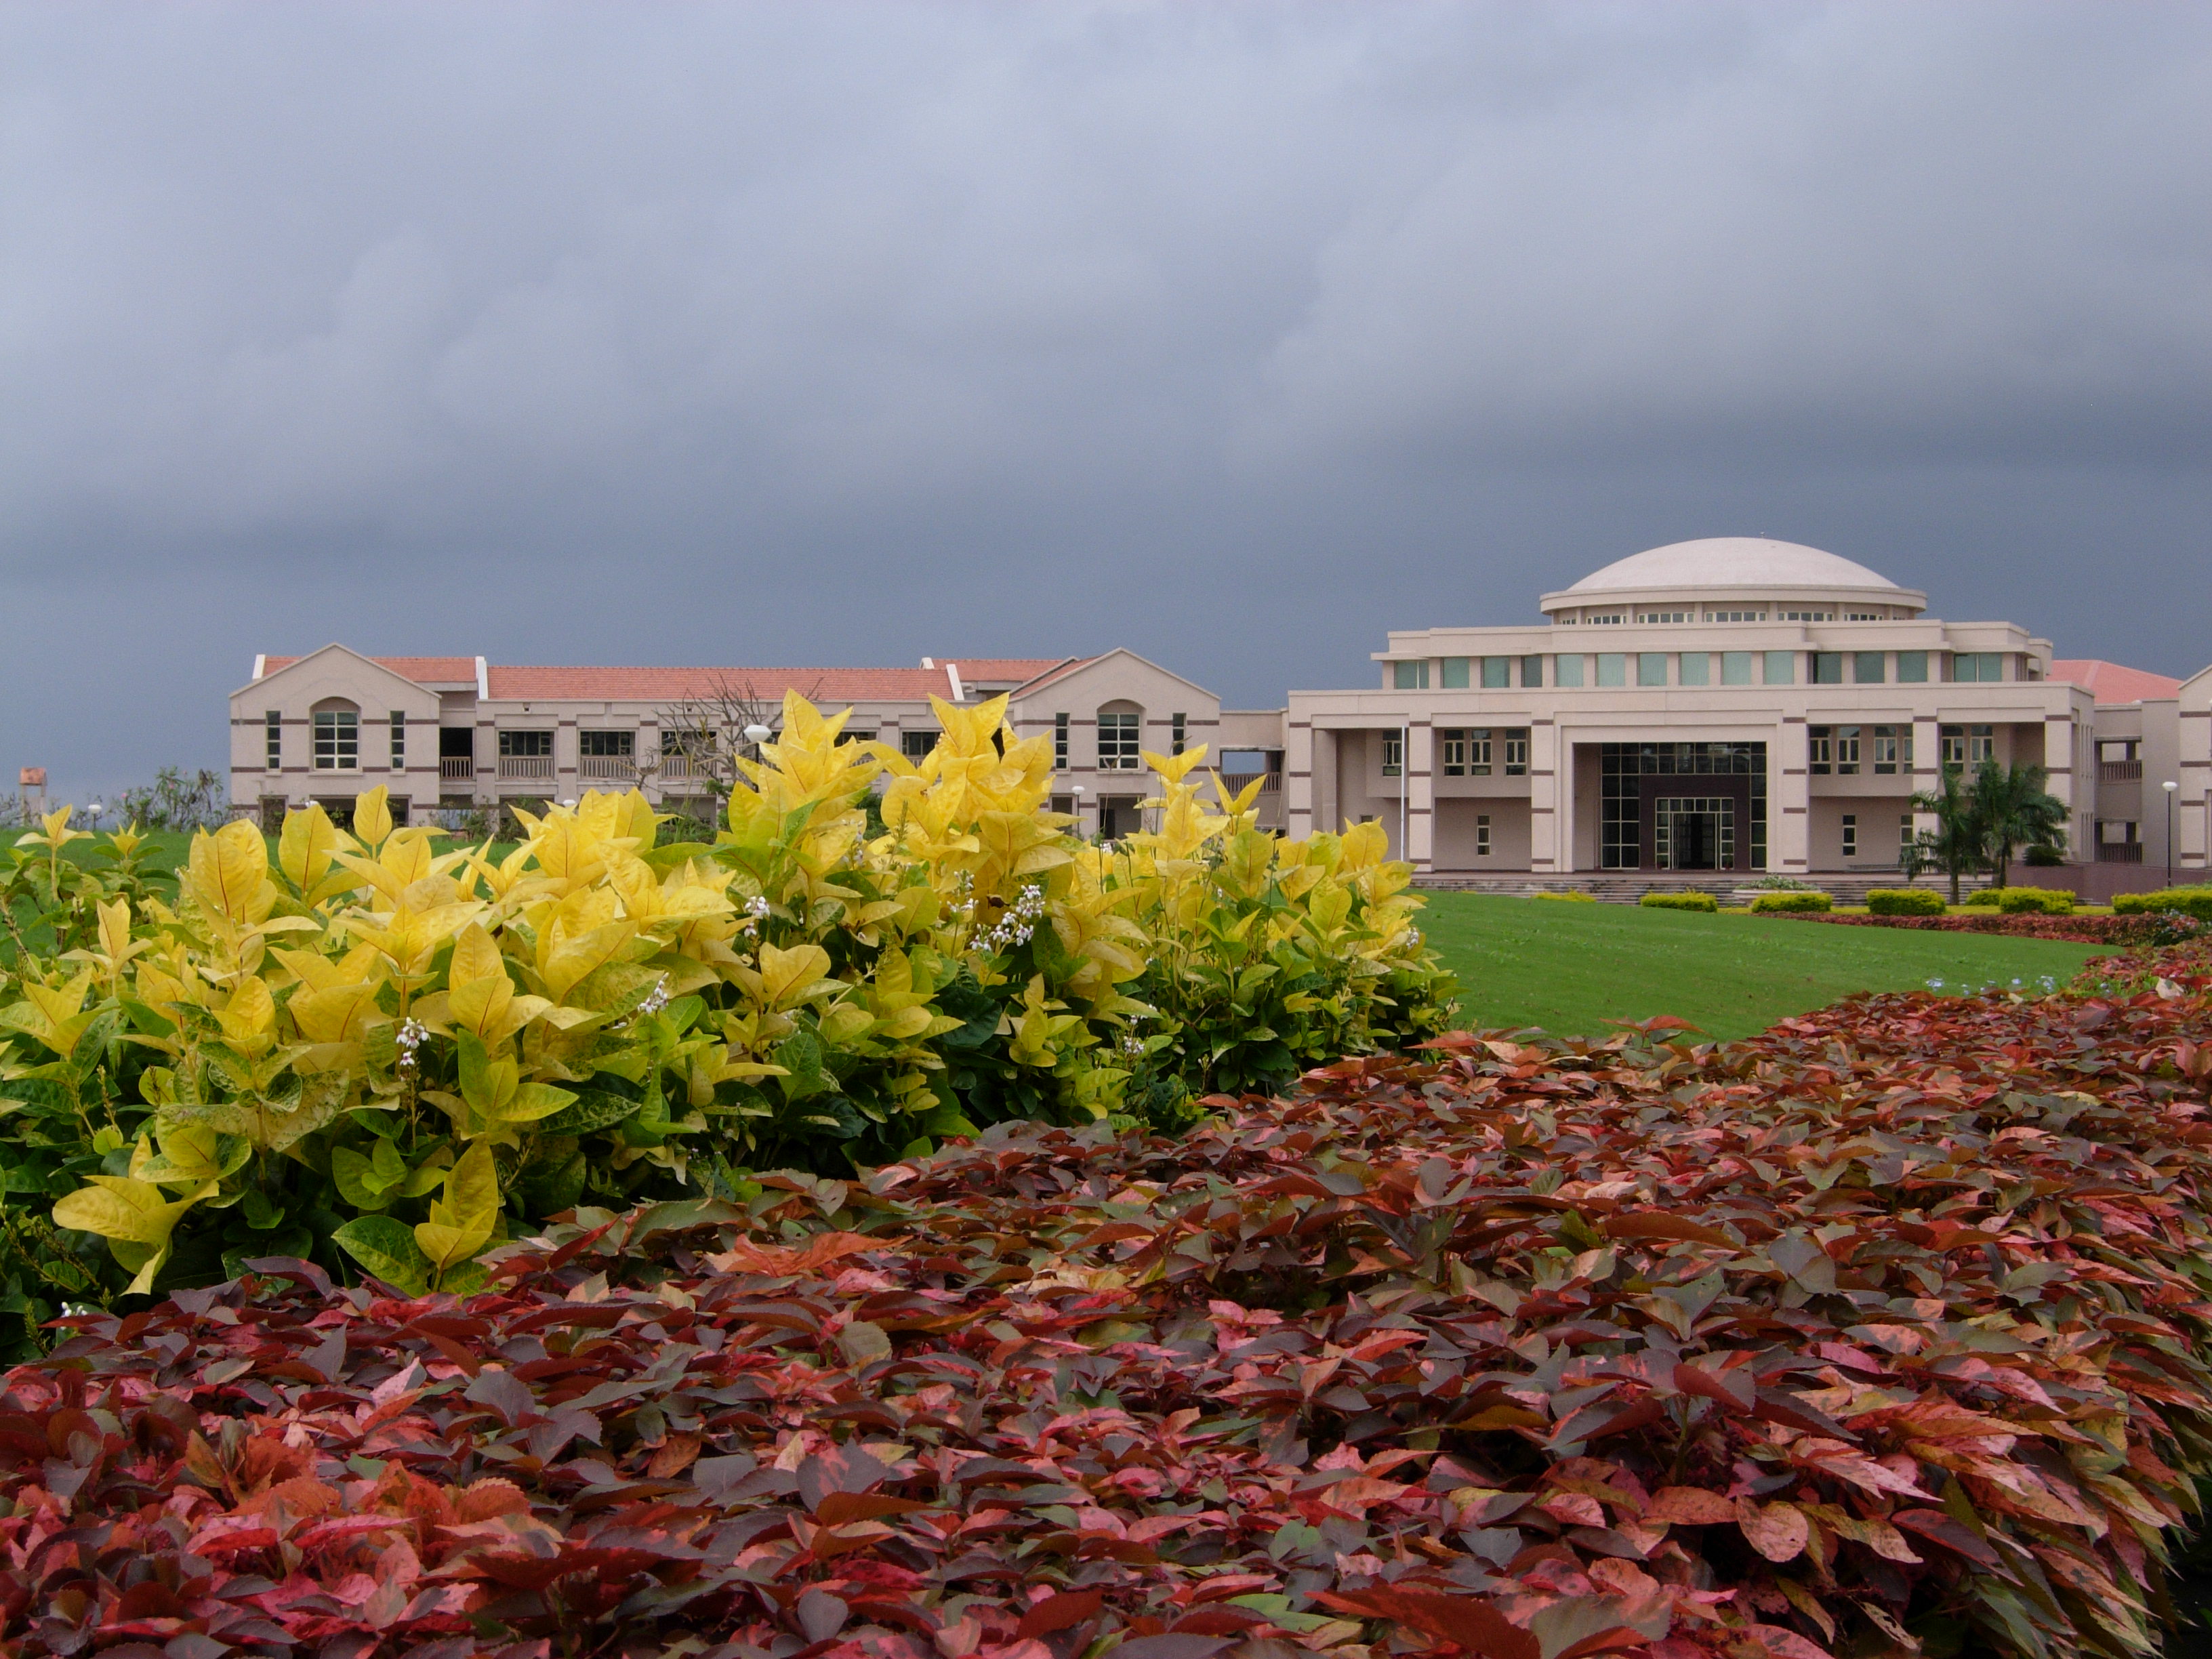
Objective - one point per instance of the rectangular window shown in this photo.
(1566, 670)
(1612, 668)
(1912, 668)
(1953, 740)
(1409, 675)
(1474, 753)
(399, 740)
(1735, 616)
(607, 745)
(275, 742)
(1821, 748)
(1118, 741)
(1532, 672)
(1497, 673)
(1904, 833)
(1059, 743)
(1847, 751)
(1178, 727)
(1394, 755)
(518, 745)
(1809, 616)
(1827, 668)
(1970, 665)
(1893, 748)
(1735, 668)
(1866, 668)
(1516, 752)
(1850, 835)
(916, 745)
(1781, 668)
(1665, 616)
(1696, 669)
(1482, 835)
(1981, 744)
(337, 740)
(1451, 753)
(1455, 673)
(1652, 668)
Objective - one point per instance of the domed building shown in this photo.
(1734, 706)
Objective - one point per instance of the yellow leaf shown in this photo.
(372, 817)
(228, 873)
(786, 975)
(461, 1223)
(249, 1023)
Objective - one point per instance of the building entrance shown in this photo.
(1694, 832)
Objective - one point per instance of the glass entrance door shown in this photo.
(1694, 832)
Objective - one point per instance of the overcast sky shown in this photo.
(1236, 334)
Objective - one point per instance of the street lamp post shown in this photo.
(2172, 789)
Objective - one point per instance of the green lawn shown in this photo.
(1570, 968)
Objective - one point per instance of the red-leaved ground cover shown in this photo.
(2081, 930)
(1885, 1327)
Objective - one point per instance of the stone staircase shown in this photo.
(1727, 886)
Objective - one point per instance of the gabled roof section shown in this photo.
(1075, 665)
(523, 684)
(2111, 682)
(269, 668)
(442, 672)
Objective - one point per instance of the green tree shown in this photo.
(1957, 844)
(2015, 809)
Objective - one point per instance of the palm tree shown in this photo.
(1957, 844)
(2014, 809)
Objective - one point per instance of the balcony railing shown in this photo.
(678, 766)
(456, 768)
(525, 766)
(2119, 771)
(615, 767)
(2119, 852)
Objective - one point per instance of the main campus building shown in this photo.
(1733, 705)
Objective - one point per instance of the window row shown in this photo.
(1657, 668)
(1851, 834)
(1121, 736)
(1466, 753)
(1841, 750)
(1753, 614)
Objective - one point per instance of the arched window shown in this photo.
(337, 735)
(1120, 725)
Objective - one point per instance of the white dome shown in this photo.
(1732, 561)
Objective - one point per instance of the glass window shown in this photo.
(1532, 671)
(275, 742)
(608, 745)
(1866, 668)
(1981, 744)
(399, 739)
(1471, 752)
(1781, 668)
(1117, 743)
(1893, 748)
(1850, 835)
(1821, 748)
(1953, 740)
(1178, 727)
(337, 740)
(1827, 668)
(1482, 835)
(1735, 668)
(1409, 675)
(1697, 668)
(1735, 616)
(1809, 616)
(1904, 832)
(1977, 665)
(526, 746)
(1394, 754)
(1566, 670)
(1059, 743)
(1454, 674)
(1612, 668)
(916, 745)
(1516, 752)
(1847, 751)
(1451, 753)
(1652, 668)
(1912, 668)
(1497, 673)
(1665, 616)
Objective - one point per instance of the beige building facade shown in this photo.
(1734, 705)
(457, 735)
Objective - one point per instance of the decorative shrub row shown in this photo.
(1692, 900)
(2184, 901)
(1789, 902)
(410, 1054)
(2079, 930)
(1905, 902)
(1888, 1321)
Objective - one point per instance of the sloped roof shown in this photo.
(2112, 682)
(1019, 669)
(424, 671)
(818, 685)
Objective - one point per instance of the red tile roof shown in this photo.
(2110, 683)
(817, 685)
(421, 670)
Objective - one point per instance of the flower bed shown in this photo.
(2079, 930)
(1768, 1349)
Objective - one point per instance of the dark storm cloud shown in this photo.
(1233, 333)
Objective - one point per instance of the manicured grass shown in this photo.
(1570, 968)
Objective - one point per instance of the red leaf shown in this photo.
(1061, 1611)
(1473, 1624)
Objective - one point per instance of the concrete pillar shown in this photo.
(1419, 784)
(2192, 806)
(1788, 798)
(2070, 780)
(1297, 779)
(1548, 786)
(1327, 813)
